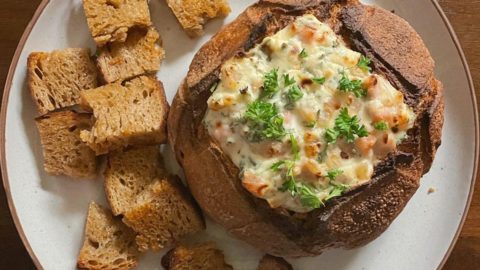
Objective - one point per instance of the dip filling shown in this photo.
(304, 118)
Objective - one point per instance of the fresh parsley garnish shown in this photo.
(320, 80)
(336, 191)
(287, 80)
(382, 126)
(345, 127)
(270, 85)
(264, 122)
(331, 135)
(303, 54)
(290, 183)
(333, 174)
(352, 86)
(364, 63)
(305, 193)
(308, 198)
(294, 94)
(277, 165)
(311, 124)
(290, 186)
(295, 149)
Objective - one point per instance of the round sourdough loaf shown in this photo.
(349, 221)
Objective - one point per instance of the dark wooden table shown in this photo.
(464, 16)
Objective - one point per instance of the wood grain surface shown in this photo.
(464, 16)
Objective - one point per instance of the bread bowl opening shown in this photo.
(304, 117)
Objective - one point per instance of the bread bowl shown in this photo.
(364, 207)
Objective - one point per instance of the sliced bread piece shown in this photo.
(109, 244)
(140, 54)
(110, 20)
(129, 113)
(63, 151)
(196, 257)
(269, 262)
(56, 79)
(164, 214)
(156, 206)
(193, 14)
(128, 173)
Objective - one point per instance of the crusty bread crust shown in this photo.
(269, 262)
(398, 53)
(193, 14)
(203, 256)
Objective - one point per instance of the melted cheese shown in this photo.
(305, 50)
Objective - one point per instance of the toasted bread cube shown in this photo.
(163, 215)
(109, 244)
(156, 206)
(128, 173)
(269, 262)
(201, 256)
(63, 151)
(130, 113)
(140, 54)
(56, 79)
(110, 20)
(193, 14)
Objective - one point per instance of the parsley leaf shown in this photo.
(270, 85)
(364, 63)
(305, 193)
(337, 191)
(295, 149)
(331, 135)
(320, 80)
(294, 94)
(382, 126)
(264, 122)
(311, 124)
(303, 54)
(332, 175)
(287, 80)
(308, 198)
(353, 86)
(345, 127)
(290, 184)
(276, 166)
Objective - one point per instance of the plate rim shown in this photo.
(14, 63)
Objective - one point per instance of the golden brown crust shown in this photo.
(193, 14)
(134, 112)
(351, 220)
(203, 256)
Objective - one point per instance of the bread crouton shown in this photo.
(201, 256)
(128, 173)
(140, 54)
(63, 151)
(193, 14)
(130, 113)
(110, 20)
(269, 262)
(109, 244)
(56, 79)
(156, 206)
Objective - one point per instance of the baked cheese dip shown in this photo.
(304, 118)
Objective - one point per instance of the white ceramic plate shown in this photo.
(49, 211)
